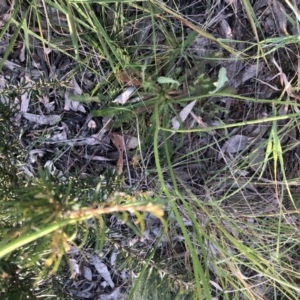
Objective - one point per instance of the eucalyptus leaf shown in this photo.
(122, 99)
(235, 144)
(182, 115)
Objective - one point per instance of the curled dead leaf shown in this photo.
(118, 142)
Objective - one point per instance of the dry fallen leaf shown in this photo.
(112, 296)
(59, 134)
(35, 154)
(87, 273)
(102, 270)
(50, 168)
(226, 29)
(122, 99)
(50, 106)
(95, 157)
(182, 115)
(280, 13)
(42, 120)
(12, 66)
(25, 98)
(119, 144)
(252, 71)
(235, 144)
(94, 139)
(3, 98)
(74, 267)
(5, 13)
(22, 56)
(73, 89)
(128, 78)
(84, 294)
